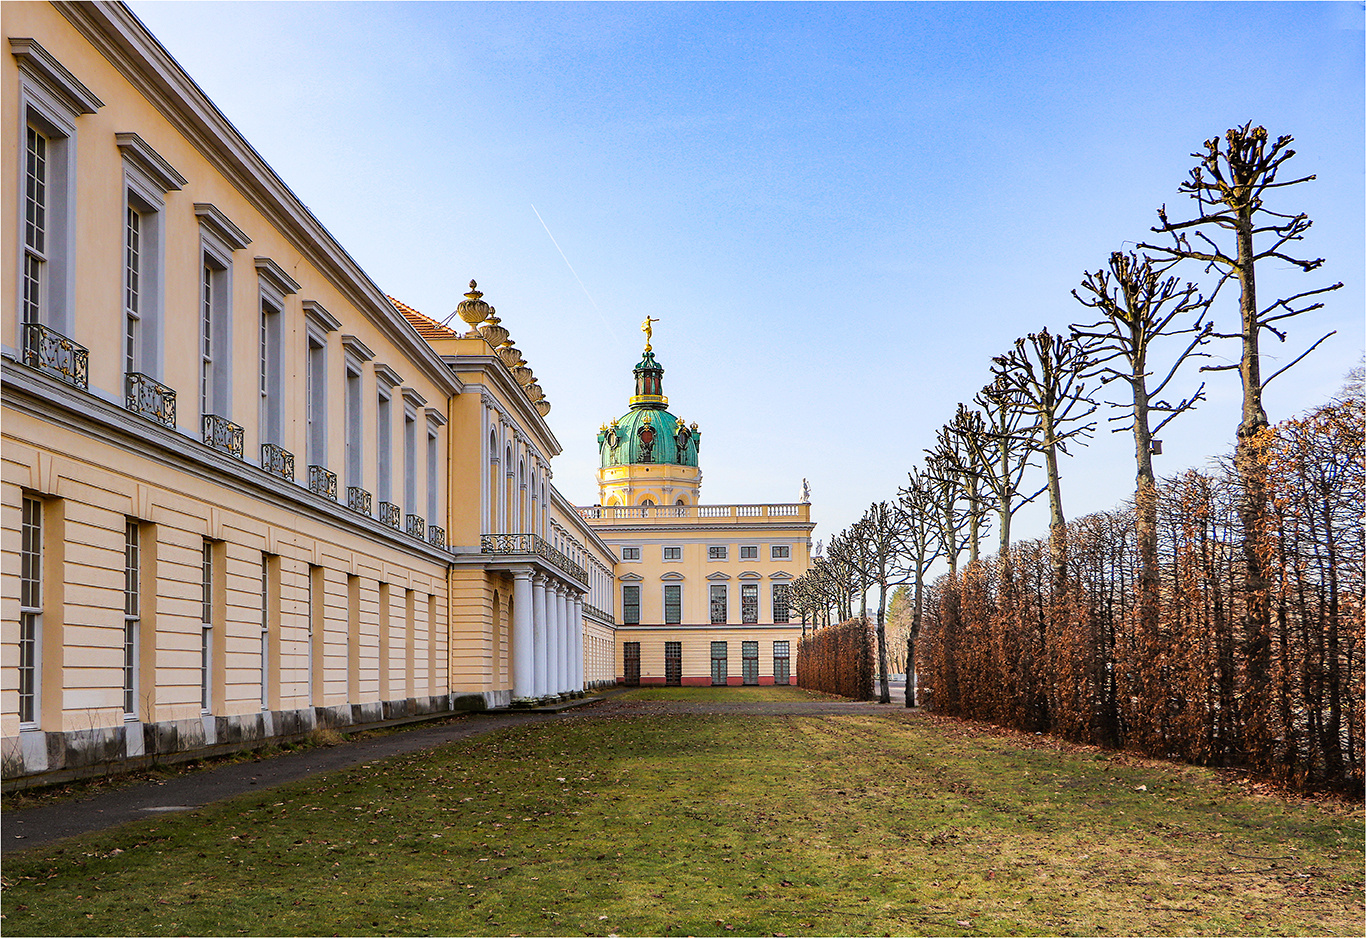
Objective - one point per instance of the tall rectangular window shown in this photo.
(673, 663)
(749, 662)
(780, 613)
(265, 631)
(719, 664)
(718, 603)
(271, 380)
(35, 225)
(433, 480)
(384, 449)
(30, 608)
(354, 429)
(206, 629)
(630, 604)
(132, 615)
(673, 604)
(410, 462)
(206, 340)
(316, 392)
(782, 664)
(132, 289)
(749, 602)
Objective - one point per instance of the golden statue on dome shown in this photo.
(646, 327)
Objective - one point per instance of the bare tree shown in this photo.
(1138, 306)
(880, 539)
(917, 500)
(1229, 184)
(1002, 453)
(956, 446)
(1044, 374)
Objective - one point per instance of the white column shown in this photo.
(523, 647)
(566, 641)
(539, 680)
(577, 615)
(554, 640)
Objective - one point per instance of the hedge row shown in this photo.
(838, 659)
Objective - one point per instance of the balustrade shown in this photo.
(223, 435)
(150, 398)
(416, 526)
(357, 499)
(436, 536)
(278, 461)
(48, 350)
(322, 481)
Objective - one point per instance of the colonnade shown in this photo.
(547, 635)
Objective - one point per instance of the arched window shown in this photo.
(495, 491)
(647, 502)
(680, 502)
(522, 524)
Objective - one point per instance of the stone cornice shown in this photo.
(54, 76)
(510, 395)
(128, 45)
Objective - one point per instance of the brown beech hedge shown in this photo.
(838, 659)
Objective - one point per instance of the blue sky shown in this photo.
(839, 213)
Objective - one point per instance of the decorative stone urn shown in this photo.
(509, 354)
(542, 407)
(473, 310)
(534, 392)
(494, 334)
(523, 374)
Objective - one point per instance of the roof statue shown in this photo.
(646, 328)
(806, 492)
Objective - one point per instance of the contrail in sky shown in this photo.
(576, 276)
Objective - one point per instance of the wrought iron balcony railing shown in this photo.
(48, 350)
(530, 544)
(151, 399)
(278, 461)
(390, 514)
(436, 536)
(416, 526)
(357, 499)
(322, 481)
(223, 435)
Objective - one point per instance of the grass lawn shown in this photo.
(872, 822)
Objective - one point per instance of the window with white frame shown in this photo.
(355, 433)
(433, 482)
(132, 615)
(51, 100)
(749, 552)
(673, 604)
(410, 461)
(147, 178)
(206, 629)
(716, 552)
(315, 391)
(630, 604)
(718, 603)
(384, 447)
(30, 609)
(271, 379)
(780, 604)
(215, 370)
(630, 553)
(265, 630)
(781, 552)
(749, 602)
(673, 553)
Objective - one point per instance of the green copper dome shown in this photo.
(648, 434)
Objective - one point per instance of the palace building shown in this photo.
(701, 589)
(246, 494)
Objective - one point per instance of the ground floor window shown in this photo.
(749, 602)
(718, 663)
(781, 666)
(673, 663)
(631, 660)
(749, 652)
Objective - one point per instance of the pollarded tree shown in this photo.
(923, 547)
(880, 550)
(1044, 375)
(1229, 184)
(1002, 453)
(956, 446)
(1139, 306)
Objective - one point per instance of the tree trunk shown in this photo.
(1151, 655)
(885, 697)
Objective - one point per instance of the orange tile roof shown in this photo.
(426, 327)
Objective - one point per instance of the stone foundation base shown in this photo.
(40, 758)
